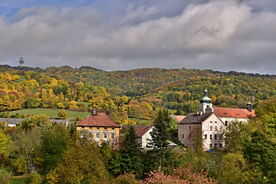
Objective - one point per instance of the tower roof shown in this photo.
(205, 99)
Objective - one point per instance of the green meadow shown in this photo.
(51, 113)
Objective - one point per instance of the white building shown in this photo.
(210, 123)
(143, 135)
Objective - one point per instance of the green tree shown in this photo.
(54, 145)
(260, 152)
(4, 146)
(82, 164)
(131, 154)
(62, 114)
(160, 136)
(4, 176)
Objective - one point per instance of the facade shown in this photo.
(210, 123)
(205, 126)
(101, 128)
(143, 136)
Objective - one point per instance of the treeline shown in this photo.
(56, 154)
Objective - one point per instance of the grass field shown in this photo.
(18, 179)
(52, 113)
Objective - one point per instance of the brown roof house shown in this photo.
(143, 136)
(101, 128)
(210, 123)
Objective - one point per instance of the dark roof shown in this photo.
(141, 130)
(195, 118)
(233, 112)
(101, 119)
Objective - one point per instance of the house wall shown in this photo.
(93, 131)
(212, 133)
(185, 133)
(146, 138)
(228, 120)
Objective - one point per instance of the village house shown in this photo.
(101, 128)
(143, 136)
(210, 124)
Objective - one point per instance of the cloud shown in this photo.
(221, 35)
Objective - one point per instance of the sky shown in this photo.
(224, 35)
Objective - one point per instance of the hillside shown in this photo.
(175, 89)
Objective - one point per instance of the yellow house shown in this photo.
(101, 128)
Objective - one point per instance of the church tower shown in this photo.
(205, 103)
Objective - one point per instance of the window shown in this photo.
(205, 136)
(211, 145)
(226, 123)
(211, 137)
(215, 121)
(221, 137)
(215, 136)
(216, 145)
(220, 145)
(182, 136)
(216, 128)
(112, 135)
(211, 128)
(211, 122)
(105, 135)
(190, 127)
(97, 135)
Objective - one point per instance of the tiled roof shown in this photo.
(233, 112)
(178, 118)
(98, 120)
(195, 118)
(140, 131)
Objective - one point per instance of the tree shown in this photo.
(82, 164)
(54, 145)
(4, 176)
(62, 114)
(26, 144)
(160, 136)
(131, 154)
(179, 176)
(232, 168)
(4, 146)
(260, 152)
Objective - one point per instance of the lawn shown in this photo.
(18, 179)
(52, 113)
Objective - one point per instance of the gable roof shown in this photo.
(101, 119)
(140, 131)
(178, 118)
(195, 118)
(233, 112)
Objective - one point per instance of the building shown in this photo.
(228, 115)
(101, 128)
(14, 122)
(178, 118)
(206, 126)
(210, 123)
(143, 135)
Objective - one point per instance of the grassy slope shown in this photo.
(52, 113)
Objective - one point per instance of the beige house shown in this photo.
(210, 123)
(101, 128)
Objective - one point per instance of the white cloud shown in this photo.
(222, 35)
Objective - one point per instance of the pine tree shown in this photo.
(131, 154)
(160, 136)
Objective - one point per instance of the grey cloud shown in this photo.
(221, 35)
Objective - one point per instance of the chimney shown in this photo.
(249, 106)
(94, 112)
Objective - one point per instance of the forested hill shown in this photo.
(142, 81)
(175, 89)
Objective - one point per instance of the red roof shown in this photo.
(233, 112)
(178, 118)
(140, 131)
(98, 120)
